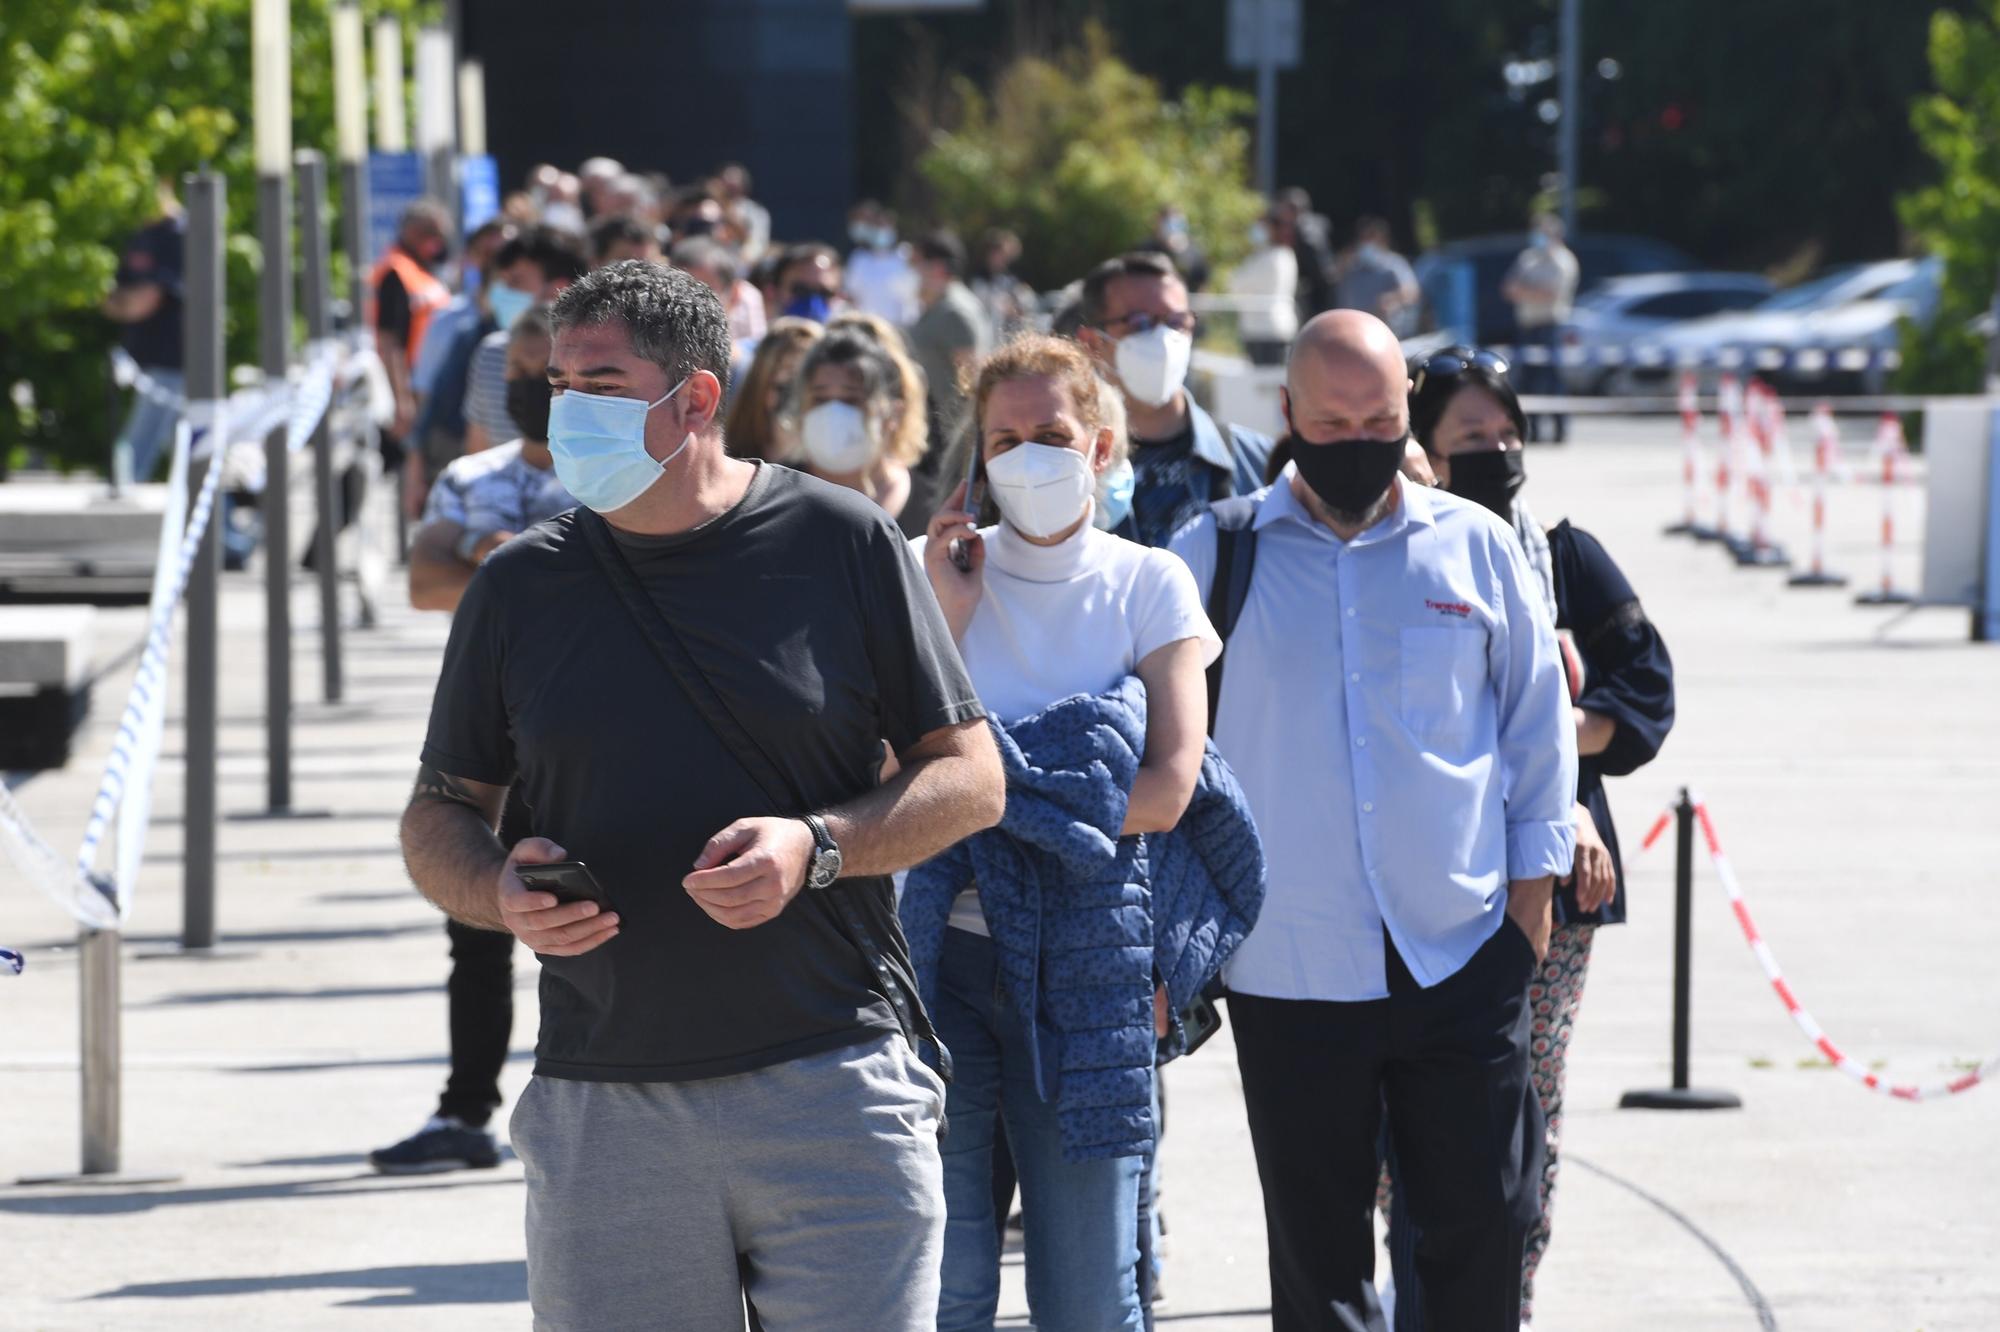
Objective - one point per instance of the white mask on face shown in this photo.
(1040, 488)
(1153, 364)
(835, 438)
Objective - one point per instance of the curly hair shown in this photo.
(1039, 356)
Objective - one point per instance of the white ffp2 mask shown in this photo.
(1040, 488)
(1152, 365)
(835, 438)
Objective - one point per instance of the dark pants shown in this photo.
(1545, 378)
(1449, 1067)
(480, 995)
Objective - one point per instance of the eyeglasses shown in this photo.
(1181, 321)
(1455, 361)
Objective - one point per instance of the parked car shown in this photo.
(1461, 280)
(1622, 311)
(1836, 332)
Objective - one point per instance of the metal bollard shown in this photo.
(1680, 1096)
(102, 1086)
(203, 312)
(274, 231)
(318, 302)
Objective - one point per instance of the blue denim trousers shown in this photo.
(148, 431)
(1081, 1218)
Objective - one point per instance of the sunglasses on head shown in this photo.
(1455, 361)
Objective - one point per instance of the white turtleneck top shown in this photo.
(1073, 618)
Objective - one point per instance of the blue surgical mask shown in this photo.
(508, 304)
(598, 444)
(815, 308)
(1114, 495)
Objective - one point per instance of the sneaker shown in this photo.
(445, 1143)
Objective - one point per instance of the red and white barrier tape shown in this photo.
(1726, 874)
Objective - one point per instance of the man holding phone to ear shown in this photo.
(727, 1102)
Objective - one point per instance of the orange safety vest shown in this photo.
(427, 294)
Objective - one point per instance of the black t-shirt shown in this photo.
(154, 257)
(806, 608)
(392, 309)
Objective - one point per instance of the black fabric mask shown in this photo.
(528, 404)
(1349, 475)
(1490, 477)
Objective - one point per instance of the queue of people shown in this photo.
(1139, 709)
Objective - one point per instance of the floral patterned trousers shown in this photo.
(1554, 996)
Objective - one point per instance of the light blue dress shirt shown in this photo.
(1396, 711)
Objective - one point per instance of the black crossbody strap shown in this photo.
(779, 791)
(1229, 585)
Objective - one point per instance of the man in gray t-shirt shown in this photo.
(949, 337)
(1376, 279)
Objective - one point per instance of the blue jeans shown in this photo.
(148, 430)
(1081, 1218)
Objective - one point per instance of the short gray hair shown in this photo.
(671, 317)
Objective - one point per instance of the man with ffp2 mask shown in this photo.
(1139, 328)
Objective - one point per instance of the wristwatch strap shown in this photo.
(822, 839)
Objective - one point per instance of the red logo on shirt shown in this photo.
(1458, 608)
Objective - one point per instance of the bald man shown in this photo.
(1393, 705)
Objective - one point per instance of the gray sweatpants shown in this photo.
(813, 1186)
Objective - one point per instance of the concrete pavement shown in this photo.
(1854, 778)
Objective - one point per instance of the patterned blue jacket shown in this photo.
(1087, 923)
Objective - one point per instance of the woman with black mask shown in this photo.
(1470, 425)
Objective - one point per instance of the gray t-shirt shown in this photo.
(1370, 275)
(805, 608)
(956, 322)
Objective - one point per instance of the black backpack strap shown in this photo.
(1229, 588)
(1224, 486)
(888, 975)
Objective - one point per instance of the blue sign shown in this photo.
(395, 181)
(478, 190)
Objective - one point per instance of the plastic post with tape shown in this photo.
(1728, 457)
(1764, 415)
(1691, 462)
(1889, 452)
(1826, 459)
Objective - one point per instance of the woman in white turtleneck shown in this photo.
(1048, 607)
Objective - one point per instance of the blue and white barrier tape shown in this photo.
(96, 900)
(145, 706)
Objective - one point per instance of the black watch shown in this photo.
(825, 866)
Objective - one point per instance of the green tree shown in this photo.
(97, 102)
(1958, 217)
(1077, 153)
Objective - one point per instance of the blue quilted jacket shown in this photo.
(1085, 922)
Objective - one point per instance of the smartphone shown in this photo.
(975, 499)
(1200, 1020)
(569, 880)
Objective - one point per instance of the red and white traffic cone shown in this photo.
(1690, 405)
(1826, 456)
(1763, 414)
(1891, 450)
